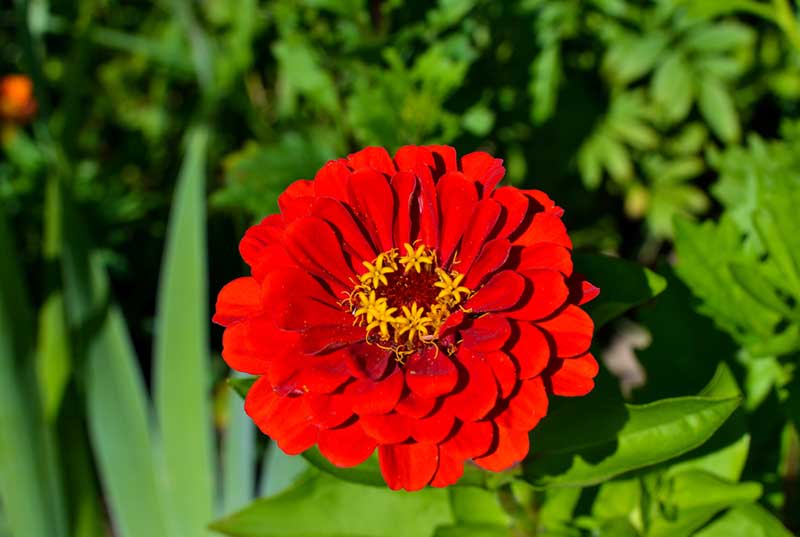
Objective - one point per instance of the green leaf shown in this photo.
(586, 441)
(544, 83)
(478, 120)
(719, 37)
(30, 501)
(750, 520)
(473, 530)
(280, 470)
(241, 385)
(322, 506)
(366, 473)
(623, 285)
(630, 58)
(118, 413)
(717, 107)
(672, 87)
(181, 359)
(238, 455)
(475, 506)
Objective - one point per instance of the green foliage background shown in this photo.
(668, 129)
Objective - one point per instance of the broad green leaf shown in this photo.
(672, 87)
(181, 360)
(475, 506)
(28, 490)
(473, 530)
(623, 285)
(697, 488)
(717, 106)
(321, 506)
(747, 520)
(586, 441)
(366, 473)
(118, 413)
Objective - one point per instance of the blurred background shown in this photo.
(141, 139)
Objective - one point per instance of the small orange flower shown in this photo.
(17, 104)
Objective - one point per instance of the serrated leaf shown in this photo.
(717, 107)
(322, 506)
(583, 442)
(623, 285)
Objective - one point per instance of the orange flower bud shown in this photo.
(17, 103)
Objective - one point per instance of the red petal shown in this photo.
(573, 376)
(526, 407)
(483, 168)
(376, 397)
(246, 345)
(414, 158)
(515, 208)
(571, 331)
(434, 428)
(479, 395)
(415, 406)
(408, 466)
(331, 180)
(493, 255)
(299, 302)
(259, 237)
(486, 333)
(543, 201)
(483, 220)
(449, 471)
(390, 428)
(329, 410)
(457, 200)
(550, 292)
(313, 244)
(337, 215)
(273, 257)
(300, 189)
(546, 255)
(404, 185)
(294, 373)
(512, 447)
(329, 337)
(472, 439)
(346, 446)
(444, 158)
(368, 361)
(372, 157)
(285, 419)
(545, 227)
(505, 371)
(529, 349)
(428, 210)
(373, 200)
(502, 292)
(238, 300)
(430, 372)
(586, 290)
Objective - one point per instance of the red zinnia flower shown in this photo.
(407, 305)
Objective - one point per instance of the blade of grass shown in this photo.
(238, 455)
(181, 359)
(28, 488)
(117, 411)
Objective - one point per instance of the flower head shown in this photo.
(17, 104)
(407, 305)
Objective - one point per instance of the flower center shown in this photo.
(403, 298)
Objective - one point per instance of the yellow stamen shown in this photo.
(416, 258)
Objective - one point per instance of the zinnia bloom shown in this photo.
(17, 104)
(408, 305)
